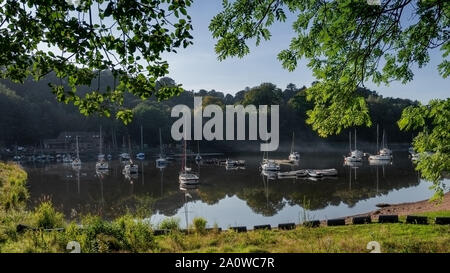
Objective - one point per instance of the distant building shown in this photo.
(66, 142)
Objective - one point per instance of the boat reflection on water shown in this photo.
(269, 175)
(101, 174)
(131, 177)
(161, 168)
(188, 190)
(380, 162)
(77, 170)
(234, 168)
(353, 164)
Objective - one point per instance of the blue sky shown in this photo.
(197, 67)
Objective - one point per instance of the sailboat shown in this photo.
(293, 156)
(355, 155)
(268, 165)
(130, 167)
(66, 157)
(109, 156)
(77, 162)
(186, 177)
(124, 157)
(198, 157)
(141, 155)
(384, 153)
(161, 161)
(101, 164)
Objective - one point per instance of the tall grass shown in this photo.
(199, 225)
(170, 224)
(13, 191)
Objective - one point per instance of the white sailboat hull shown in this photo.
(188, 178)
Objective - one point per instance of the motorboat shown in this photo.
(188, 178)
(314, 173)
(328, 172)
(353, 158)
(140, 156)
(234, 163)
(270, 165)
(294, 156)
(290, 174)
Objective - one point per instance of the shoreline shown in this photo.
(408, 208)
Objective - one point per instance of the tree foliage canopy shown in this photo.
(79, 40)
(346, 43)
(433, 144)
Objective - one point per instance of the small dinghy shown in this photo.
(322, 173)
(287, 174)
(302, 173)
(328, 172)
(314, 173)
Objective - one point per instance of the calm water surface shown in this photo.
(229, 197)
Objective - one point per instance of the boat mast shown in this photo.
(142, 139)
(185, 157)
(160, 144)
(292, 144)
(101, 142)
(378, 136)
(350, 141)
(355, 139)
(129, 145)
(78, 152)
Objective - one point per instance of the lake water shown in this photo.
(229, 197)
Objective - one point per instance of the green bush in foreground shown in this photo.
(170, 224)
(199, 224)
(46, 217)
(13, 191)
(138, 236)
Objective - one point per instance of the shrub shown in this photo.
(137, 235)
(199, 224)
(45, 216)
(13, 191)
(170, 223)
(97, 234)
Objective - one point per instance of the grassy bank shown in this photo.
(129, 234)
(350, 238)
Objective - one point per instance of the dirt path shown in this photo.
(410, 208)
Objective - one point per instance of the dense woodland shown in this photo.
(30, 113)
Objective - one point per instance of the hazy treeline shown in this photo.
(30, 113)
